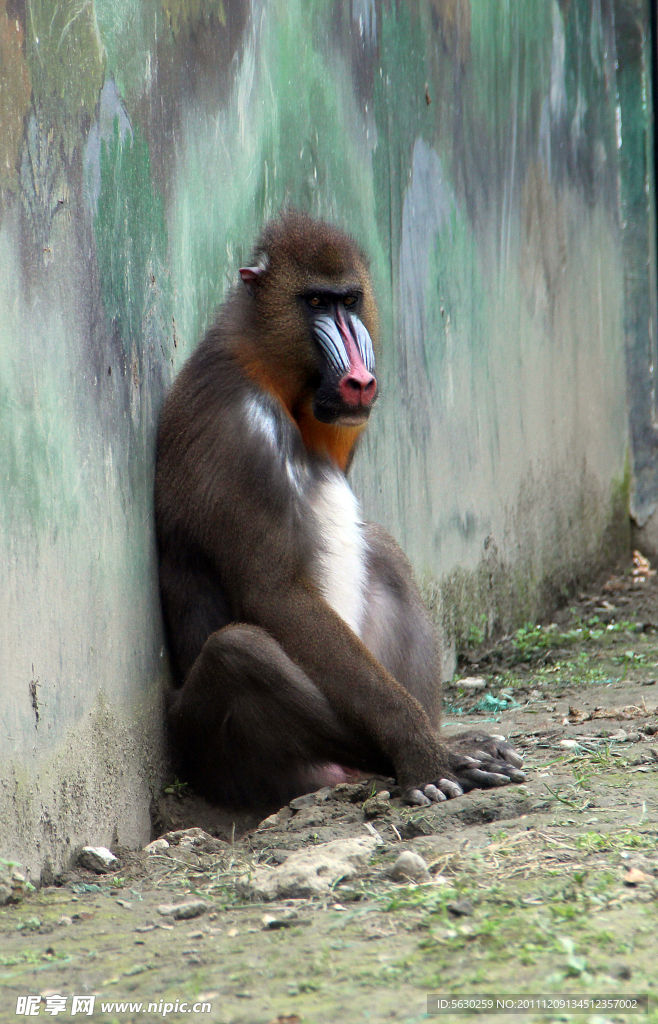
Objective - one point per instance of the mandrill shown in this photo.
(301, 648)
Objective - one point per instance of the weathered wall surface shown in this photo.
(636, 33)
(473, 148)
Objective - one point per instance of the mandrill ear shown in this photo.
(251, 276)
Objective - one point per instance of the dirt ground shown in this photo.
(548, 889)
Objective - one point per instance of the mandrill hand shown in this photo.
(476, 760)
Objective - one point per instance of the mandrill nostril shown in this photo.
(358, 389)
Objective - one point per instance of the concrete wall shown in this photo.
(475, 150)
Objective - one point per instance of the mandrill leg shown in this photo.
(253, 730)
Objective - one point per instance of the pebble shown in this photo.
(98, 859)
(157, 846)
(471, 683)
(460, 908)
(380, 803)
(184, 911)
(285, 920)
(409, 865)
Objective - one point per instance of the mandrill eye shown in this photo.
(315, 301)
(351, 301)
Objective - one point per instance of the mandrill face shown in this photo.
(348, 387)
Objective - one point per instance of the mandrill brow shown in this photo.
(301, 650)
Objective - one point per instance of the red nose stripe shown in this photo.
(358, 387)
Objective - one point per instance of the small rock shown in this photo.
(409, 865)
(65, 920)
(98, 859)
(307, 800)
(277, 856)
(184, 911)
(307, 817)
(569, 744)
(126, 904)
(621, 970)
(634, 877)
(276, 820)
(31, 924)
(157, 846)
(460, 908)
(414, 827)
(309, 872)
(271, 821)
(353, 792)
(380, 803)
(283, 920)
(196, 839)
(471, 684)
(12, 885)
(185, 854)
(6, 895)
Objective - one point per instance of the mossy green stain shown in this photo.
(33, 467)
(298, 141)
(401, 112)
(130, 232)
(66, 60)
(455, 294)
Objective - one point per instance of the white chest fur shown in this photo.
(341, 562)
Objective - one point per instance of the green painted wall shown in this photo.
(478, 152)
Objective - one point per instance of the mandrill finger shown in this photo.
(505, 754)
(500, 752)
(482, 778)
(503, 768)
(433, 793)
(416, 797)
(510, 755)
(450, 788)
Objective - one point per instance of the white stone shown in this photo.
(98, 858)
(471, 683)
